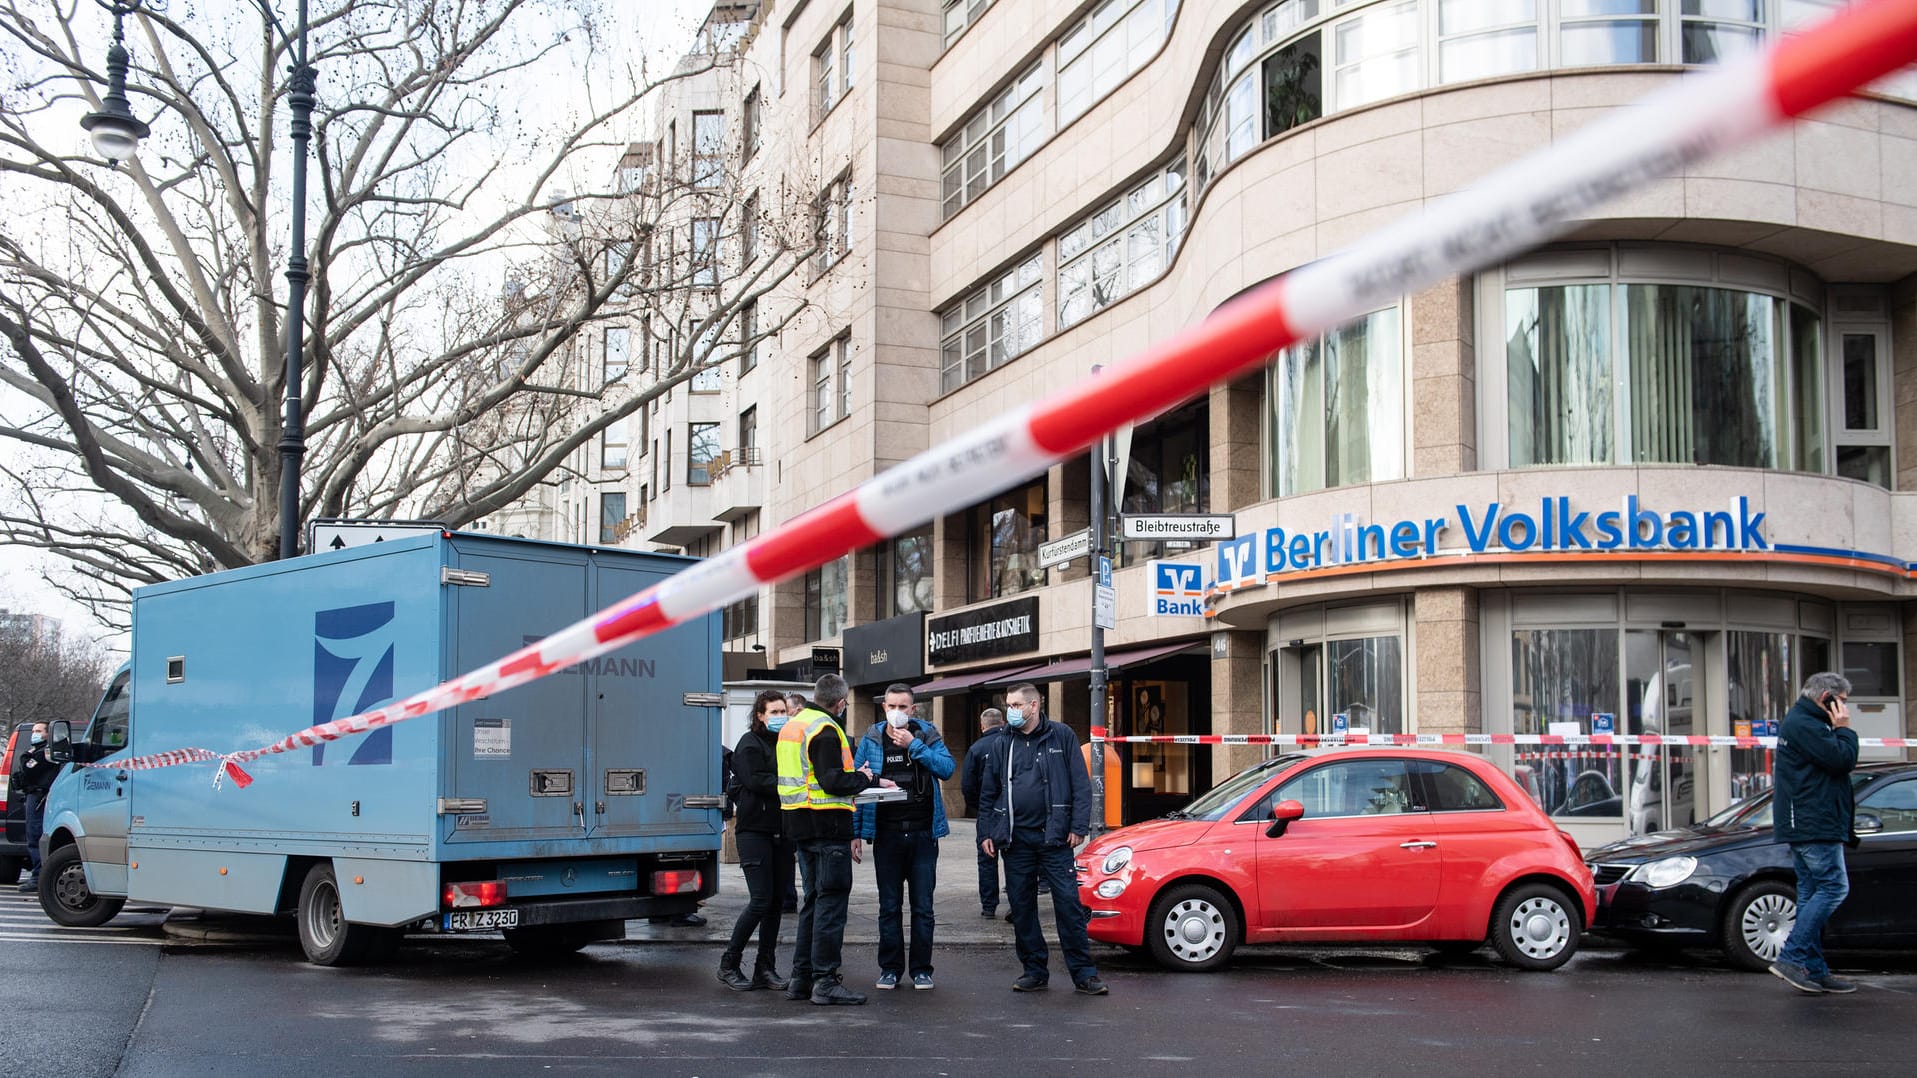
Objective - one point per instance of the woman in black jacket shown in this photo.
(765, 854)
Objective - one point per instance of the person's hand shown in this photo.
(899, 735)
(888, 784)
(1839, 713)
(986, 845)
(866, 770)
(858, 851)
(1073, 840)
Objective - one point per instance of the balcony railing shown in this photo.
(733, 458)
(629, 525)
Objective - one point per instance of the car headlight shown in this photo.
(1116, 860)
(1668, 872)
(1110, 889)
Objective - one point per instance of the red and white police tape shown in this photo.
(1731, 741)
(1503, 214)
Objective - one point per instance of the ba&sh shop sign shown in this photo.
(986, 633)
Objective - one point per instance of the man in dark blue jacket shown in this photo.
(1034, 807)
(1812, 809)
(991, 724)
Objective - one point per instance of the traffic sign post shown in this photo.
(1068, 549)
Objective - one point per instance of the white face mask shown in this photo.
(897, 719)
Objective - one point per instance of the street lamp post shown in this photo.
(116, 132)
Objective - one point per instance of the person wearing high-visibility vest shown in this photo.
(816, 785)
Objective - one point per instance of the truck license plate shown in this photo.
(481, 920)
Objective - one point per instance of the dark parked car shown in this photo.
(13, 805)
(1727, 883)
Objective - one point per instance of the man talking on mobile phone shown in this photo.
(1812, 809)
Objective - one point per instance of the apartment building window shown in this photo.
(1861, 375)
(1105, 47)
(995, 139)
(749, 231)
(1002, 547)
(905, 572)
(825, 598)
(705, 252)
(751, 131)
(618, 345)
(645, 429)
(832, 66)
(986, 329)
(612, 512)
(612, 446)
(820, 413)
(741, 619)
(748, 335)
(832, 223)
(1477, 40)
(842, 349)
(667, 461)
(749, 429)
(960, 14)
(708, 148)
(672, 149)
(1121, 247)
(1338, 409)
(702, 448)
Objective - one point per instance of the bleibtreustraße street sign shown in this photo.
(1190, 527)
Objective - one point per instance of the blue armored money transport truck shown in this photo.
(552, 812)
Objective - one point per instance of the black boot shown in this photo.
(831, 990)
(766, 975)
(731, 976)
(799, 989)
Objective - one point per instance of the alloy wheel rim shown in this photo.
(1540, 927)
(1766, 923)
(1194, 930)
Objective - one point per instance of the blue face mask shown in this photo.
(1014, 717)
(773, 722)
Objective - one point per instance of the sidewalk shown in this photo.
(955, 904)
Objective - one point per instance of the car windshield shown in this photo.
(1224, 796)
(1755, 811)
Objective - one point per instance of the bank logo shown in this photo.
(353, 672)
(1178, 589)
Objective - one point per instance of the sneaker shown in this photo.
(988, 913)
(1832, 983)
(887, 981)
(798, 989)
(922, 981)
(768, 977)
(1028, 983)
(732, 977)
(1091, 986)
(831, 991)
(1797, 977)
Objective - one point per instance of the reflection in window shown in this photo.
(1760, 691)
(1379, 787)
(1714, 30)
(1364, 680)
(1872, 668)
(992, 325)
(612, 445)
(1704, 368)
(1377, 54)
(1481, 38)
(1338, 407)
(825, 598)
(959, 14)
(1565, 676)
(1558, 363)
(1122, 246)
(702, 448)
(906, 562)
(612, 512)
(1005, 536)
(1168, 473)
(995, 139)
(1593, 32)
(1107, 45)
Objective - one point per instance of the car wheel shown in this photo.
(326, 936)
(1192, 929)
(1535, 927)
(1757, 921)
(64, 894)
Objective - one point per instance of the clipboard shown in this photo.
(872, 795)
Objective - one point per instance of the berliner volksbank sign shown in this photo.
(1552, 525)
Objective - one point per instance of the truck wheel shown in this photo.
(1535, 928)
(326, 936)
(10, 870)
(64, 894)
(1192, 929)
(1757, 921)
(548, 941)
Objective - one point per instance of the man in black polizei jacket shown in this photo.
(1812, 809)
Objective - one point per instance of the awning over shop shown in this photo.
(1082, 667)
(966, 679)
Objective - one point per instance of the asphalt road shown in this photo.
(124, 1001)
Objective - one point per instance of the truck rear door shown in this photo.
(650, 749)
(525, 750)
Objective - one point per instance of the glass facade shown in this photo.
(1006, 533)
(1338, 409)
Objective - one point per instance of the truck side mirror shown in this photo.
(60, 742)
(1867, 823)
(1282, 814)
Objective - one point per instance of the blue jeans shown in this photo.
(36, 824)
(767, 863)
(1822, 884)
(902, 859)
(826, 864)
(987, 882)
(1026, 860)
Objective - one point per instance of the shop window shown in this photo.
(906, 569)
(826, 589)
(1364, 684)
(1761, 691)
(1169, 472)
(1345, 672)
(1003, 545)
(1559, 678)
(1337, 407)
(1872, 668)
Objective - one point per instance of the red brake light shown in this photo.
(677, 881)
(465, 896)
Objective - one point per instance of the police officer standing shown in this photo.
(816, 785)
(35, 774)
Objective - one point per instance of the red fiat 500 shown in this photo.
(1395, 845)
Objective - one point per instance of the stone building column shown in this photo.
(1443, 372)
(1450, 698)
(1237, 699)
(1236, 435)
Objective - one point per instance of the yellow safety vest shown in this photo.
(799, 787)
